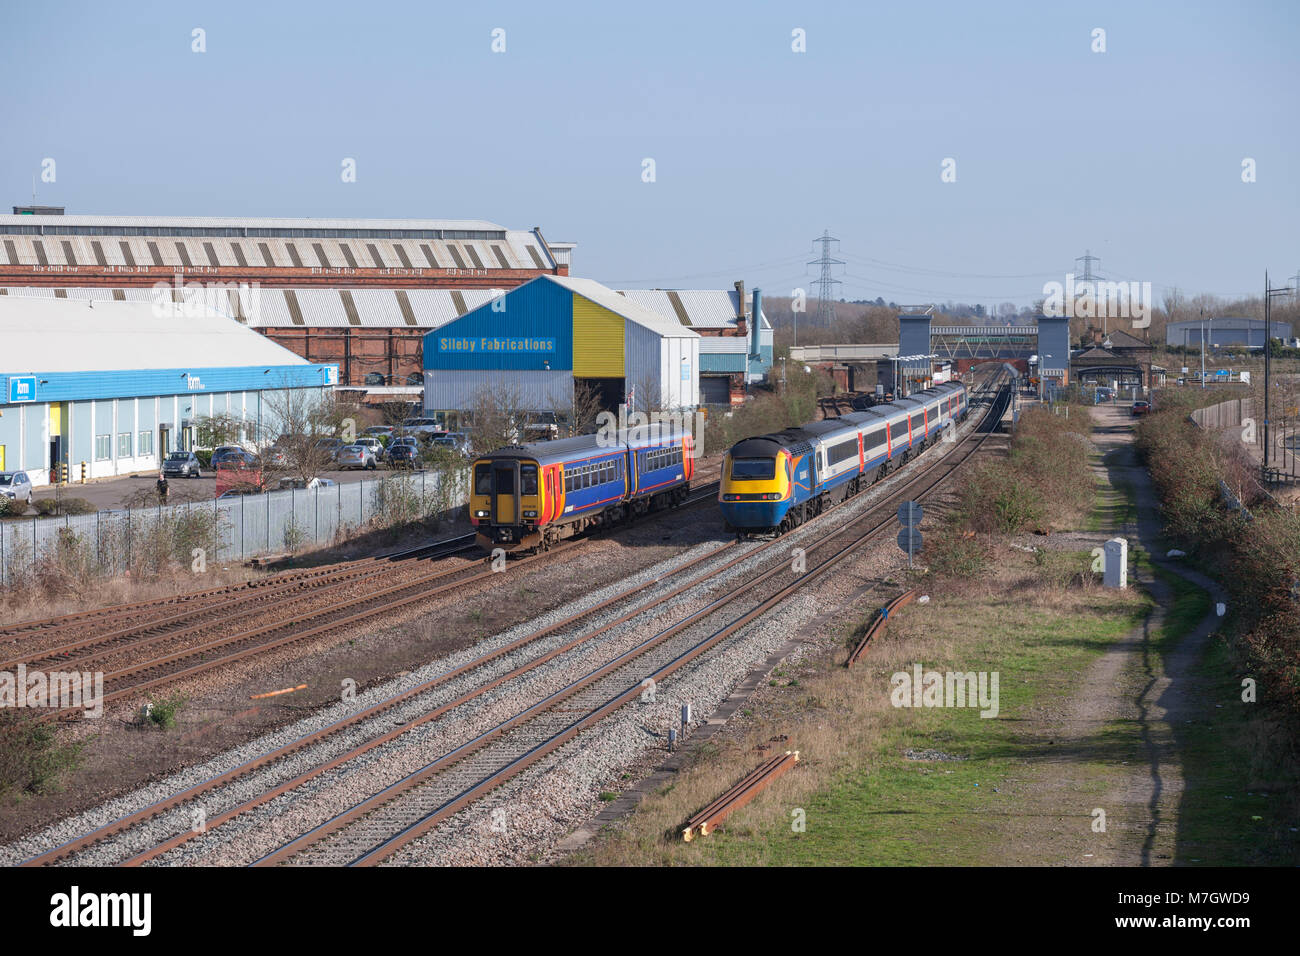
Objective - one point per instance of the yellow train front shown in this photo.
(760, 483)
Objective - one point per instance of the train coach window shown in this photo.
(753, 469)
(568, 483)
(505, 481)
(483, 480)
(528, 479)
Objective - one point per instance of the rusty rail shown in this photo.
(878, 624)
(749, 787)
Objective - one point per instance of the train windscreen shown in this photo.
(753, 469)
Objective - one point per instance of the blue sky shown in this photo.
(1134, 153)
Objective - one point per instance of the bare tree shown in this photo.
(296, 425)
(578, 409)
(497, 418)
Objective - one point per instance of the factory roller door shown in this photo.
(715, 389)
(597, 341)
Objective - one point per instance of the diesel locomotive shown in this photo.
(773, 483)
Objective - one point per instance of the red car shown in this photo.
(1140, 408)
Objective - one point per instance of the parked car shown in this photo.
(306, 483)
(379, 431)
(456, 441)
(223, 453)
(1140, 408)
(422, 426)
(330, 446)
(404, 440)
(236, 459)
(182, 464)
(374, 444)
(355, 456)
(16, 486)
(402, 455)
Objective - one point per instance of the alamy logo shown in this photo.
(103, 909)
(922, 688)
(1095, 299)
(65, 690)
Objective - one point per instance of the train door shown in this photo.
(889, 444)
(505, 492)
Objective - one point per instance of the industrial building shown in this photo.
(536, 342)
(117, 385)
(351, 292)
(1223, 332)
(735, 349)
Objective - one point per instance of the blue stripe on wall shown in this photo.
(80, 386)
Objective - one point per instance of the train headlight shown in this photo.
(530, 514)
(480, 514)
(772, 496)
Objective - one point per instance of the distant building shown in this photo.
(1223, 332)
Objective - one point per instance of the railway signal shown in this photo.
(909, 539)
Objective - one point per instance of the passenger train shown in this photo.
(773, 483)
(526, 497)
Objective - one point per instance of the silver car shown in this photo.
(16, 486)
(355, 456)
(182, 464)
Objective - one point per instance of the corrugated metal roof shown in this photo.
(237, 222)
(705, 308)
(67, 335)
(621, 305)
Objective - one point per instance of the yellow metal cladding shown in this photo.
(58, 418)
(597, 341)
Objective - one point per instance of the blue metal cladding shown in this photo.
(534, 331)
(723, 362)
(141, 383)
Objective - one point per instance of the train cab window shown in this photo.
(483, 479)
(528, 479)
(753, 469)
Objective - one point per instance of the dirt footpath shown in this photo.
(1113, 748)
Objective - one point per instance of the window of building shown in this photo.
(103, 447)
(144, 443)
(123, 444)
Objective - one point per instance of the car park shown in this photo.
(16, 486)
(182, 464)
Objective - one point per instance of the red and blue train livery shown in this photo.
(526, 497)
(772, 483)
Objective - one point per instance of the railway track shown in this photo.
(400, 812)
(196, 603)
(134, 677)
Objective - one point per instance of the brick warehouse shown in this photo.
(351, 292)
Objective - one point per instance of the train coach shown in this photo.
(526, 497)
(776, 482)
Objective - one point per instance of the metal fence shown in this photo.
(225, 530)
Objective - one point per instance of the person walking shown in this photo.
(162, 487)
